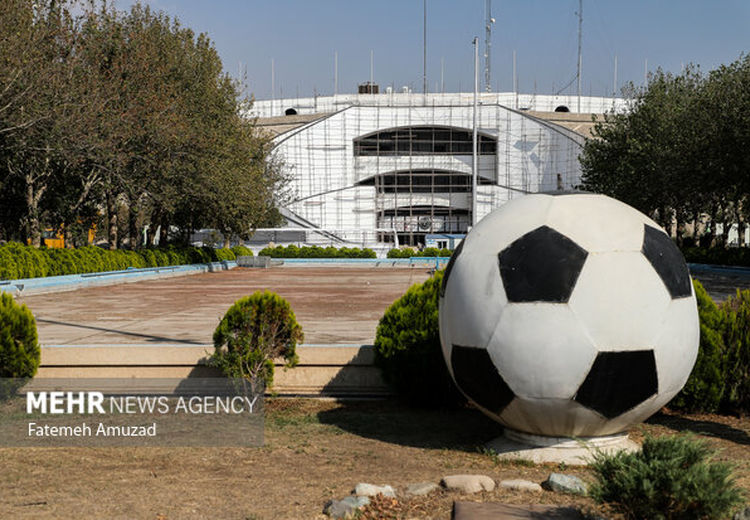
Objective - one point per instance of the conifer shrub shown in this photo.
(19, 346)
(8, 267)
(671, 477)
(407, 348)
(224, 255)
(254, 331)
(148, 257)
(240, 250)
(162, 259)
(408, 252)
(18, 261)
(717, 255)
(293, 251)
(704, 389)
(83, 260)
(30, 262)
(737, 358)
(62, 262)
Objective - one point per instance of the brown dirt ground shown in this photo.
(314, 451)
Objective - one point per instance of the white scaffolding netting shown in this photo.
(409, 168)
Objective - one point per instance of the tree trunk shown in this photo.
(136, 239)
(725, 227)
(33, 227)
(112, 220)
(68, 237)
(152, 227)
(740, 233)
(164, 233)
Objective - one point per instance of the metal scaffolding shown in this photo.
(408, 169)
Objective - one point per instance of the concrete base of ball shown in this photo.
(514, 445)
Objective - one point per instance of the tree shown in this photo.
(123, 113)
(680, 153)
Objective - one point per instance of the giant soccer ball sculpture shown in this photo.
(568, 315)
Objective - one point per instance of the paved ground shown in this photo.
(334, 305)
(722, 282)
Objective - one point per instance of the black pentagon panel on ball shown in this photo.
(667, 261)
(541, 266)
(618, 382)
(449, 268)
(477, 377)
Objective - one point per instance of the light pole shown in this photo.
(474, 157)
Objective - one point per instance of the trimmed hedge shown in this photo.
(242, 251)
(407, 348)
(19, 345)
(408, 252)
(254, 331)
(18, 261)
(293, 251)
(738, 256)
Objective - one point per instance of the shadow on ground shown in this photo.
(390, 421)
(707, 428)
(147, 337)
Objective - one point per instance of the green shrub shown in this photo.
(161, 258)
(408, 252)
(671, 477)
(19, 347)
(240, 250)
(8, 267)
(27, 261)
(148, 257)
(704, 389)
(224, 255)
(62, 262)
(292, 251)
(197, 255)
(737, 358)
(407, 348)
(19, 261)
(253, 332)
(718, 255)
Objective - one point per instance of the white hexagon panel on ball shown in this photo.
(568, 315)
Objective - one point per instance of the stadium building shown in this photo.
(377, 169)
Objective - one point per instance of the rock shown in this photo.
(421, 488)
(561, 483)
(369, 490)
(520, 485)
(468, 483)
(742, 515)
(345, 508)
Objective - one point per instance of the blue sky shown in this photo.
(302, 36)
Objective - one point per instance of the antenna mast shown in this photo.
(424, 50)
(487, 44)
(578, 74)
